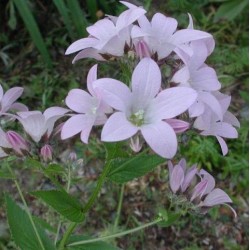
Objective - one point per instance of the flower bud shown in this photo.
(46, 153)
(18, 143)
(179, 126)
(72, 157)
(135, 144)
(142, 49)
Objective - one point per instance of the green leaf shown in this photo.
(63, 203)
(32, 163)
(5, 175)
(230, 10)
(45, 225)
(124, 170)
(115, 150)
(62, 9)
(78, 17)
(100, 245)
(169, 218)
(54, 169)
(22, 230)
(33, 29)
(12, 19)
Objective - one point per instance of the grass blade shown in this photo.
(78, 17)
(33, 29)
(92, 8)
(62, 9)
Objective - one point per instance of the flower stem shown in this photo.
(88, 205)
(119, 207)
(67, 235)
(26, 208)
(98, 187)
(117, 234)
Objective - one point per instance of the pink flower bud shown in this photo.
(18, 143)
(179, 126)
(142, 49)
(72, 156)
(46, 153)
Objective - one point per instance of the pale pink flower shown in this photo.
(211, 125)
(201, 191)
(161, 36)
(37, 124)
(90, 108)
(4, 144)
(8, 100)
(144, 108)
(198, 76)
(46, 153)
(108, 36)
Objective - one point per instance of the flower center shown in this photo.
(93, 110)
(137, 118)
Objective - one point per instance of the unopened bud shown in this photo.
(179, 126)
(72, 157)
(18, 143)
(135, 144)
(46, 153)
(142, 49)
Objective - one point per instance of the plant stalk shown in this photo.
(118, 214)
(133, 230)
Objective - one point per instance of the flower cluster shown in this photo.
(148, 109)
(195, 188)
(149, 106)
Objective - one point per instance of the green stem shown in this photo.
(66, 235)
(58, 231)
(27, 209)
(97, 188)
(118, 214)
(117, 234)
(89, 204)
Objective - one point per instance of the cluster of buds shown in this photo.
(194, 189)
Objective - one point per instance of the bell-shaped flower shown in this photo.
(8, 100)
(161, 35)
(143, 108)
(108, 36)
(90, 110)
(37, 124)
(4, 144)
(200, 77)
(211, 125)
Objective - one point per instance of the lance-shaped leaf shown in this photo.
(63, 203)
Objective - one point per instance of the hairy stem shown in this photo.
(133, 230)
(67, 235)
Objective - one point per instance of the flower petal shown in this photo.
(223, 145)
(81, 44)
(118, 128)
(172, 102)
(80, 101)
(231, 119)
(216, 197)
(146, 82)
(189, 176)
(10, 97)
(179, 126)
(176, 178)
(88, 53)
(1, 92)
(76, 124)
(161, 138)
(114, 93)
(54, 111)
(92, 76)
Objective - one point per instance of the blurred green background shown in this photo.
(33, 38)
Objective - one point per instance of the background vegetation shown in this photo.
(33, 39)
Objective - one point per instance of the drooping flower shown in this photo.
(144, 108)
(90, 108)
(8, 100)
(37, 124)
(108, 36)
(197, 186)
(200, 77)
(4, 144)
(211, 125)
